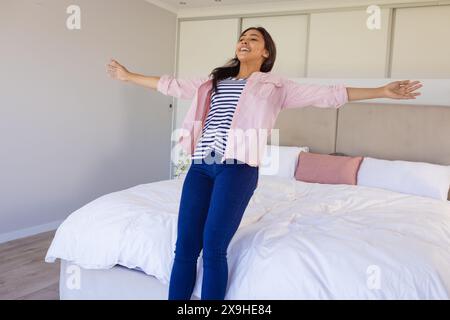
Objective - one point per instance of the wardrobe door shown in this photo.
(341, 45)
(421, 46)
(203, 46)
(290, 35)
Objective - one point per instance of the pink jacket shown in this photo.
(263, 97)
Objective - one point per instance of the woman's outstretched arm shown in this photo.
(119, 72)
(326, 96)
(183, 88)
(394, 90)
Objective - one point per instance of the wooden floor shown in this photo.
(23, 273)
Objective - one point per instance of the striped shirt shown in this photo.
(218, 121)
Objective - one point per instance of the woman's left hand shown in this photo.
(401, 89)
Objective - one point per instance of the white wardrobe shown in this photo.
(411, 41)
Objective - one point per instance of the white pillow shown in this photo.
(280, 161)
(417, 178)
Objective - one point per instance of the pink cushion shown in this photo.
(324, 168)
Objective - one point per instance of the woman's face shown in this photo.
(253, 41)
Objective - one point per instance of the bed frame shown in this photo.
(379, 130)
(117, 283)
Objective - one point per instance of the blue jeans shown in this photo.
(213, 200)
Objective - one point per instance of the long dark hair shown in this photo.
(232, 67)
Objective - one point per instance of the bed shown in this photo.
(297, 240)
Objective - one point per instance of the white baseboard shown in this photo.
(22, 233)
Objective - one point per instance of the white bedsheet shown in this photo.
(297, 240)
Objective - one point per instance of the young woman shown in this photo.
(215, 194)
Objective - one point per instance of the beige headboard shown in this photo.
(378, 130)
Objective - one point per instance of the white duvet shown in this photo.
(296, 240)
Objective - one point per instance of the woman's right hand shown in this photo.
(117, 71)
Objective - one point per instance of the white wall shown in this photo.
(69, 133)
